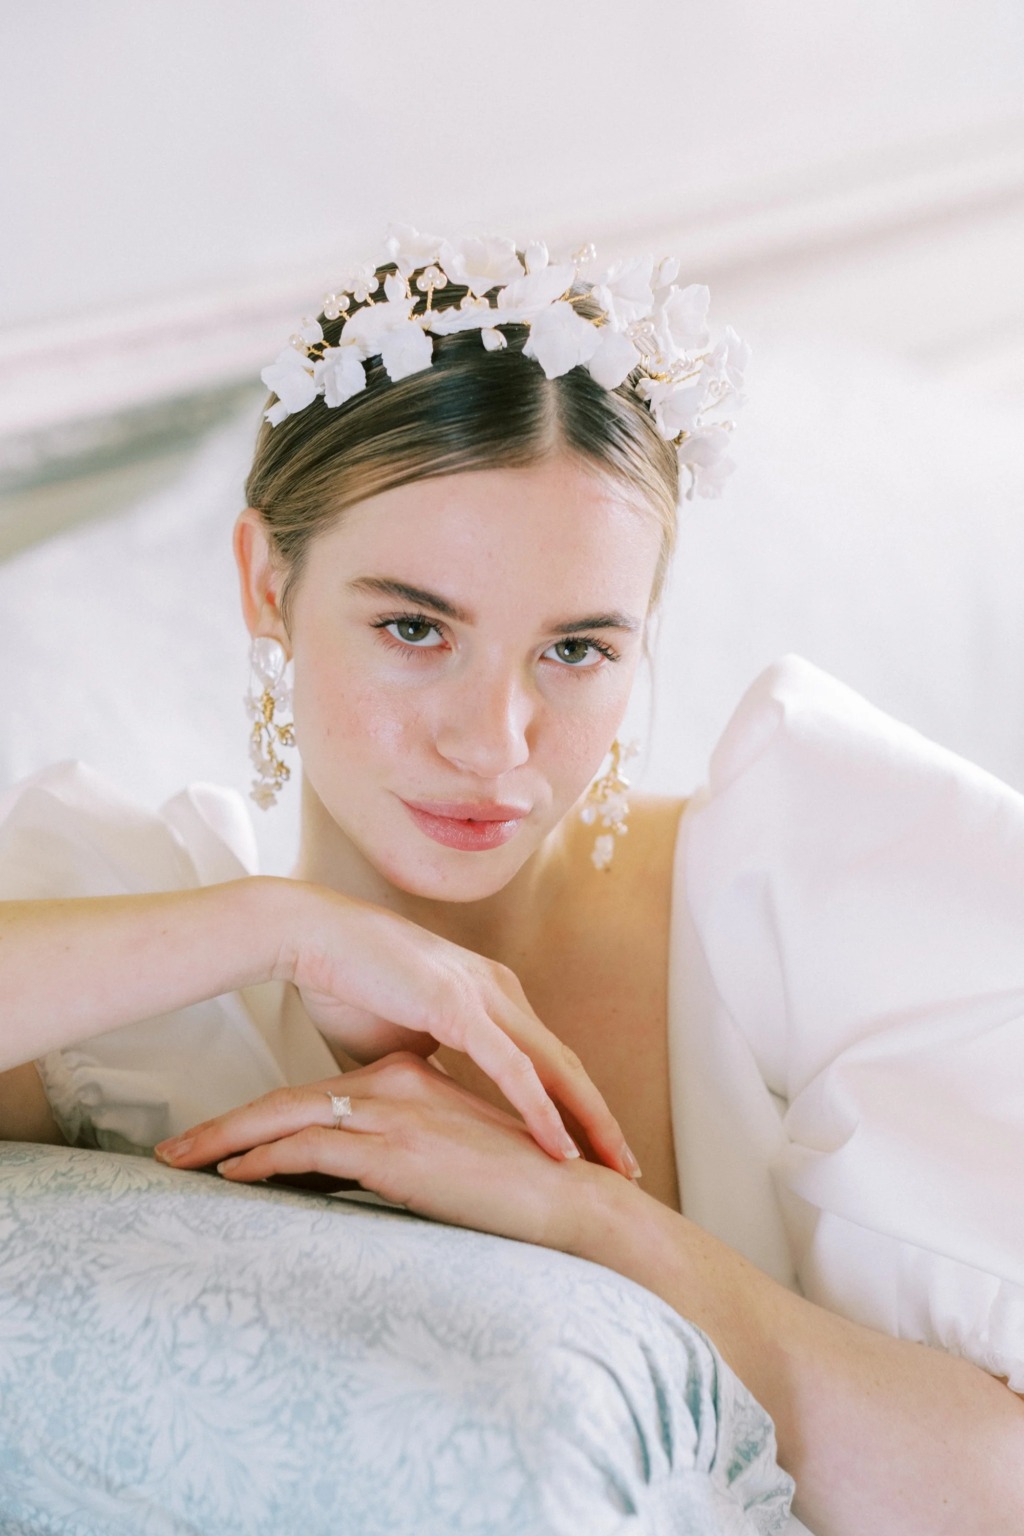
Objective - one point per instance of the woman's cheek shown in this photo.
(576, 749)
(355, 721)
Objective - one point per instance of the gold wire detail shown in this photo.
(268, 735)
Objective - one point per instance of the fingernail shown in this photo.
(169, 1151)
(569, 1147)
(228, 1163)
(632, 1166)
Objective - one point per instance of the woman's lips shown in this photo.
(471, 828)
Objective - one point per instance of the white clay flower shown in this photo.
(536, 254)
(614, 357)
(727, 363)
(676, 407)
(464, 317)
(309, 334)
(290, 377)
(368, 326)
(709, 479)
(615, 810)
(648, 324)
(341, 374)
(405, 349)
(604, 848)
(665, 273)
(481, 262)
(624, 291)
(396, 289)
(705, 447)
(259, 760)
(681, 318)
(533, 291)
(410, 250)
(705, 456)
(264, 795)
(559, 339)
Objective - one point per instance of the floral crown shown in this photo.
(647, 325)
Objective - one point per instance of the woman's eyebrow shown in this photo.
(597, 621)
(386, 586)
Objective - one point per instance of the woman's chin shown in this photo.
(449, 875)
(417, 858)
(420, 867)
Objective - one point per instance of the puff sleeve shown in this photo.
(66, 832)
(851, 904)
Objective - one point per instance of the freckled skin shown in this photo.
(488, 710)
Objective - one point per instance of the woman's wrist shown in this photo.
(272, 912)
(745, 1313)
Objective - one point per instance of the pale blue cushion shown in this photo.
(180, 1355)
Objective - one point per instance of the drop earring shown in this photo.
(606, 801)
(267, 661)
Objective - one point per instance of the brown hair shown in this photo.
(471, 409)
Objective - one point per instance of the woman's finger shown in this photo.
(277, 1114)
(285, 1111)
(314, 1149)
(435, 992)
(509, 1066)
(541, 1077)
(582, 1104)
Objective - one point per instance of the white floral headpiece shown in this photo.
(647, 323)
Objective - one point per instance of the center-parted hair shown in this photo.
(471, 410)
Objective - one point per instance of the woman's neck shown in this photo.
(499, 926)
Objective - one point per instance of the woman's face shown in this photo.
(463, 652)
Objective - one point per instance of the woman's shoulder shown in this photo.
(629, 899)
(69, 831)
(649, 834)
(657, 816)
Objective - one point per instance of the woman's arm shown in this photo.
(372, 982)
(879, 1434)
(75, 968)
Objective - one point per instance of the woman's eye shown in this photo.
(576, 653)
(418, 632)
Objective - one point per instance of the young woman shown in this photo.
(461, 512)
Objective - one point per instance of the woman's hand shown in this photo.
(415, 1137)
(372, 981)
(919, 1440)
(375, 983)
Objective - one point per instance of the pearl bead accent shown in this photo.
(268, 659)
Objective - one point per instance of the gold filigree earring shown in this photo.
(606, 801)
(267, 661)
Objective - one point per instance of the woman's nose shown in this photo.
(484, 728)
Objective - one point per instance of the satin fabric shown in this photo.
(848, 1016)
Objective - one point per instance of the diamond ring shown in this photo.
(341, 1108)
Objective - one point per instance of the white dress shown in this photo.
(846, 1000)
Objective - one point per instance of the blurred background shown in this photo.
(181, 181)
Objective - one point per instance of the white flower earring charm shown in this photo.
(267, 661)
(606, 800)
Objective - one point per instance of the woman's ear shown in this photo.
(260, 577)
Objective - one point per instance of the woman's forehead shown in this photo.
(549, 521)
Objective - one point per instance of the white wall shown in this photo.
(153, 148)
(180, 179)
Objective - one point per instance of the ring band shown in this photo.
(341, 1108)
